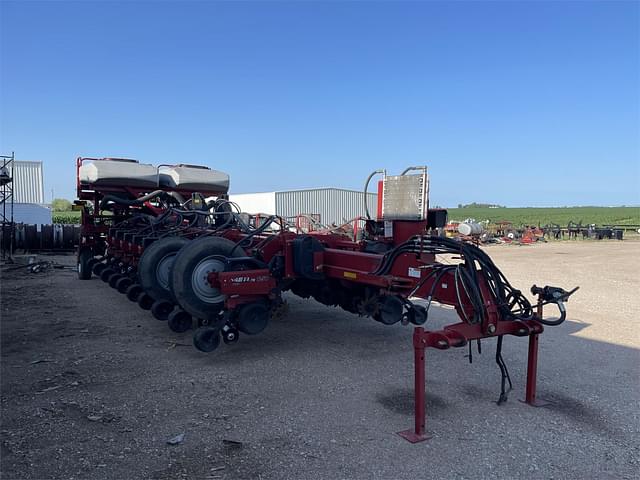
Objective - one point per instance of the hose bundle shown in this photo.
(476, 264)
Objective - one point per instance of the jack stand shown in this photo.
(459, 335)
(418, 433)
(532, 372)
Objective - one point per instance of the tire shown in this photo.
(113, 279)
(85, 258)
(206, 339)
(106, 274)
(188, 279)
(145, 301)
(253, 318)
(154, 267)
(389, 310)
(180, 321)
(230, 336)
(98, 268)
(161, 309)
(133, 292)
(123, 284)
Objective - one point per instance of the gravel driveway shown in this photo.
(93, 387)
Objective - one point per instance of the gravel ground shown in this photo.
(93, 387)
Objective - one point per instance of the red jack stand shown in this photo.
(532, 373)
(532, 368)
(418, 434)
(459, 335)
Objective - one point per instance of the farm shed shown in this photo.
(334, 205)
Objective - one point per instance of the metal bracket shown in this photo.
(459, 335)
(413, 437)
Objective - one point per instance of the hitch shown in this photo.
(549, 294)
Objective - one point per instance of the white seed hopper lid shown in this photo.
(194, 177)
(119, 172)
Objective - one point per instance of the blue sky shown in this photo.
(514, 103)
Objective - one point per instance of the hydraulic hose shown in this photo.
(129, 203)
(177, 196)
(556, 321)
(366, 186)
(476, 263)
(408, 169)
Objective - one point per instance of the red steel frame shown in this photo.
(348, 265)
(354, 266)
(457, 336)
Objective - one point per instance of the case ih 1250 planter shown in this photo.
(169, 239)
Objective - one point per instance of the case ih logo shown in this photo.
(243, 279)
(261, 278)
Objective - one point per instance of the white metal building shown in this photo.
(28, 194)
(334, 205)
(28, 182)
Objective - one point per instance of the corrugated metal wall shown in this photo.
(28, 182)
(334, 205)
(31, 214)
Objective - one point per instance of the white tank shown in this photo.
(470, 228)
(119, 172)
(195, 178)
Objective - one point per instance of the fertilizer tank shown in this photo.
(470, 228)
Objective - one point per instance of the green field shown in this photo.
(66, 217)
(543, 216)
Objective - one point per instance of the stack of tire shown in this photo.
(170, 280)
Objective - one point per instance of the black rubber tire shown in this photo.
(418, 316)
(389, 310)
(184, 265)
(161, 309)
(206, 339)
(230, 336)
(133, 292)
(113, 279)
(98, 268)
(180, 321)
(253, 318)
(155, 255)
(144, 301)
(123, 284)
(106, 274)
(85, 258)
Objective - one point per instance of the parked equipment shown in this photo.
(195, 261)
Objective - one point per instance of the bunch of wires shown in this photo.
(210, 218)
(246, 241)
(475, 265)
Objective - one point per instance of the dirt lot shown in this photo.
(93, 387)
